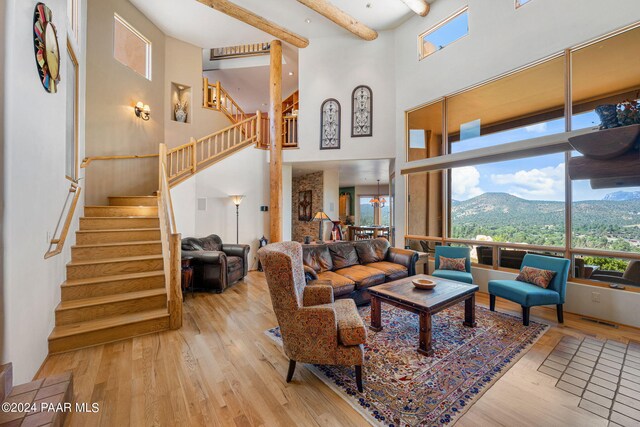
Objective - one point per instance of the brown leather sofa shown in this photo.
(353, 267)
(216, 266)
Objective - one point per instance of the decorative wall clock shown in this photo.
(330, 124)
(45, 44)
(361, 111)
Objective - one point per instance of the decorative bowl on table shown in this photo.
(425, 284)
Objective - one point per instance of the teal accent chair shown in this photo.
(453, 252)
(528, 295)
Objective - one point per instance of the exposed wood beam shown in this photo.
(349, 23)
(256, 21)
(421, 7)
(275, 148)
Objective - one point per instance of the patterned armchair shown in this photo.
(314, 328)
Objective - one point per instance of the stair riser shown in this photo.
(120, 211)
(113, 268)
(117, 223)
(102, 336)
(102, 289)
(65, 317)
(116, 236)
(133, 201)
(102, 252)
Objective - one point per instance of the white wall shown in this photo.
(287, 188)
(183, 65)
(330, 198)
(331, 67)
(183, 198)
(501, 39)
(247, 173)
(35, 186)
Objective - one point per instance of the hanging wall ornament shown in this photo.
(47, 51)
(362, 111)
(330, 124)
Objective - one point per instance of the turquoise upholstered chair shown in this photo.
(528, 295)
(453, 252)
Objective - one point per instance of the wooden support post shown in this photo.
(205, 92)
(218, 97)
(162, 156)
(275, 148)
(258, 129)
(194, 157)
(175, 296)
(248, 17)
(338, 16)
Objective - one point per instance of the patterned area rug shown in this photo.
(404, 388)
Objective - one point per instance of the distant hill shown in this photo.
(492, 209)
(622, 196)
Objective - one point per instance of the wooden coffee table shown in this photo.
(402, 294)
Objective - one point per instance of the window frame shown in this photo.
(519, 3)
(148, 51)
(568, 251)
(76, 113)
(421, 54)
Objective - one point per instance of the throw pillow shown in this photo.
(536, 276)
(457, 264)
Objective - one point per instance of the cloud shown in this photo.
(465, 183)
(540, 184)
(539, 128)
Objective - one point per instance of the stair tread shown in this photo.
(119, 230)
(108, 260)
(113, 278)
(93, 301)
(120, 217)
(118, 206)
(100, 245)
(133, 197)
(63, 331)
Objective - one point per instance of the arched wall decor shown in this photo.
(361, 112)
(330, 124)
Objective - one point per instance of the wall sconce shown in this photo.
(142, 110)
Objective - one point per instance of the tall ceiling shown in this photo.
(246, 79)
(200, 25)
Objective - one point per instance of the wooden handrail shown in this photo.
(171, 248)
(187, 159)
(217, 98)
(87, 160)
(74, 189)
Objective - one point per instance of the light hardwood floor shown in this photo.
(221, 369)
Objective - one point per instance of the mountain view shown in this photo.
(612, 223)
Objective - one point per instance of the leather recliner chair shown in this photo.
(216, 266)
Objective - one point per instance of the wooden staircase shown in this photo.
(116, 280)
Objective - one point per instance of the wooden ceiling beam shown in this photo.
(421, 7)
(257, 21)
(349, 23)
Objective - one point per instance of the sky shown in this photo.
(536, 178)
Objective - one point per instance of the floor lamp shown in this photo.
(237, 199)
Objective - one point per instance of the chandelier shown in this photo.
(378, 202)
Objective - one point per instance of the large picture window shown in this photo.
(518, 199)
